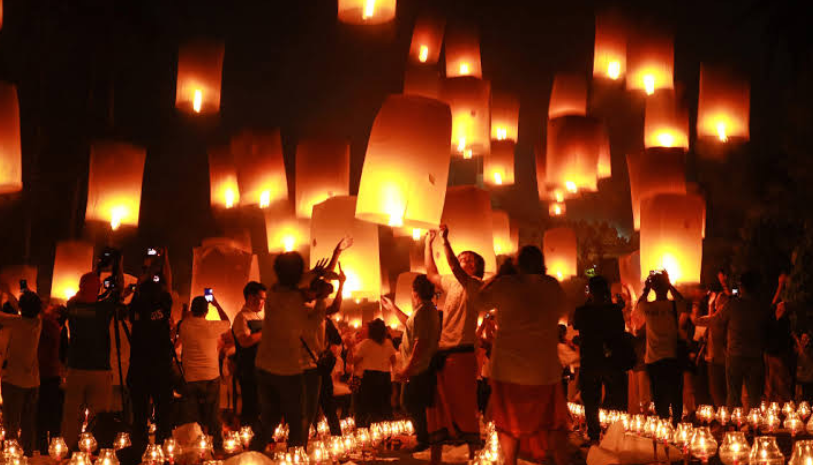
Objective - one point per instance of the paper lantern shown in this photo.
(559, 248)
(650, 62)
(366, 12)
(284, 232)
(462, 49)
(260, 168)
(629, 267)
(504, 116)
(655, 171)
(11, 275)
(514, 232)
(322, 172)
(224, 191)
(574, 146)
(666, 124)
(723, 106)
(223, 266)
(333, 220)
(11, 165)
(541, 165)
(403, 291)
(672, 236)
(605, 160)
(503, 242)
(427, 38)
(469, 98)
(498, 166)
(423, 81)
(71, 261)
(568, 96)
(200, 71)
(610, 52)
(556, 209)
(406, 168)
(467, 213)
(114, 183)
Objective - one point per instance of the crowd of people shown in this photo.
(498, 348)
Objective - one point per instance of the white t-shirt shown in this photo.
(280, 348)
(460, 312)
(246, 321)
(525, 345)
(374, 356)
(22, 364)
(661, 329)
(313, 334)
(199, 339)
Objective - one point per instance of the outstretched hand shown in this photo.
(319, 268)
(432, 234)
(386, 302)
(444, 232)
(344, 244)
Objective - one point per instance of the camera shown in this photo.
(156, 279)
(735, 291)
(109, 282)
(207, 294)
(151, 252)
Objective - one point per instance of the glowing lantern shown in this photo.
(11, 167)
(322, 172)
(610, 53)
(467, 213)
(366, 12)
(335, 219)
(540, 158)
(672, 236)
(723, 106)
(403, 182)
(503, 242)
(568, 96)
(559, 247)
(655, 171)
(575, 144)
(224, 191)
(498, 166)
(284, 232)
(10, 277)
(423, 81)
(650, 62)
(557, 209)
(114, 183)
(469, 99)
(260, 168)
(225, 267)
(403, 291)
(71, 261)
(665, 124)
(200, 71)
(504, 116)
(427, 37)
(462, 52)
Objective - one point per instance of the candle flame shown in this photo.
(557, 210)
(424, 54)
(467, 154)
(461, 144)
(498, 179)
(502, 133)
(464, 69)
(265, 199)
(416, 234)
(229, 197)
(197, 100)
(116, 215)
(649, 84)
(288, 243)
(666, 139)
(614, 70)
(571, 187)
(721, 132)
(369, 9)
(560, 197)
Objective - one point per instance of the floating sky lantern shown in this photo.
(10, 277)
(568, 96)
(559, 247)
(366, 12)
(427, 38)
(723, 106)
(71, 261)
(284, 232)
(650, 62)
(503, 242)
(557, 209)
(225, 267)
(672, 237)
(114, 183)
(574, 145)
(467, 213)
(462, 48)
(655, 171)
(260, 168)
(605, 160)
(403, 182)
(666, 123)
(224, 192)
(610, 52)
(423, 81)
(504, 116)
(333, 220)
(322, 172)
(200, 71)
(11, 167)
(469, 98)
(498, 166)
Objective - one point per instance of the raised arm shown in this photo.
(461, 276)
(387, 303)
(337, 301)
(343, 245)
(222, 314)
(429, 259)
(777, 297)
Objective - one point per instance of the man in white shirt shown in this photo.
(247, 329)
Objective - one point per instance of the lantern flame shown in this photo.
(461, 144)
(416, 234)
(229, 197)
(197, 100)
(498, 179)
(559, 275)
(424, 54)
(649, 84)
(671, 265)
(396, 219)
(721, 132)
(614, 70)
(502, 133)
(464, 69)
(265, 199)
(288, 243)
(560, 197)
(369, 9)
(557, 210)
(666, 139)
(116, 215)
(571, 187)
(69, 292)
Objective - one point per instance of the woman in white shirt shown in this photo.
(375, 356)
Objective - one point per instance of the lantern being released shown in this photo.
(672, 236)
(71, 261)
(260, 168)
(559, 247)
(225, 267)
(504, 244)
(568, 96)
(498, 166)
(462, 52)
(333, 220)
(114, 183)
(403, 182)
(224, 192)
(610, 52)
(655, 171)
(650, 62)
(723, 106)
(665, 123)
(469, 99)
(200, 71)
(504, 116)
(575, 144)
(322, 172)
(427, 37)
(467, 213)
(11, 167)
(366, 12)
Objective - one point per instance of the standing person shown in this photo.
(527, 401)
(746, 321)
(418, 346)
(454, 414)
(247, 330)
(376, 356)
(664, 318)
(50, 396)
(779, 357)
(716, 341)
(327, 398)
(600, 323)
(804, 369)
(21, 378)
(199, 339)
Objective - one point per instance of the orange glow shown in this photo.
(655, 171)
(200, 72)
(228, 195)
(504, 116)
(11, 168)
(557, 209)
(498, 179)
(723, 105)
(605, 161)
(467, 213)
(225, 266)
(650, 62)
(114, 183)
(559, 247)
(260, 167)
(571, 187)
(559, 196)
(223, 189)
(423, 81)
(503, 243)
(322, 172)
(427, 39)
(575, 144)
(462, 49)
(366, 12)
(71, 261)
(265, 199)
(464, 69)
(284, 232)
(469, 100)
(498, 166)
(671, 236)
(649, 84)
(502, 133)
(424, 54)
(416, 234)
(568, 96)
(406, 167)
(721, 132)
(610, 52)
(614, 70)
(629, 268)
(10, 276)
(665, 124)
(369, 9)
(403, 291)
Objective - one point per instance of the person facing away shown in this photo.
(375, 356)
(247, 329)
(50, 395)
(601, 327)
(199, 339)
(21, 377)
(527, 400)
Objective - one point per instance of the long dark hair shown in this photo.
(377, 330)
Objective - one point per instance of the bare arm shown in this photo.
(343, 245)
(461, 276)
(421, 346)
(222, 314)
(390, 305)
(777, 297)
(337, 301)
(429, 260)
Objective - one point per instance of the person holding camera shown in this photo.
(247, 329)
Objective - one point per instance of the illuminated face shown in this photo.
(468, 263)
(256, 302)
